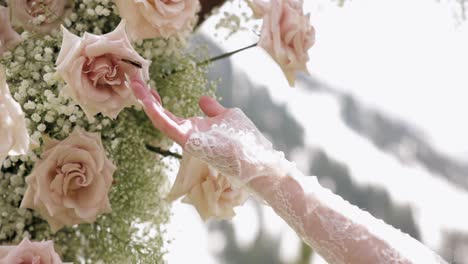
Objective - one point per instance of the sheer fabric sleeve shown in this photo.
(338, 231)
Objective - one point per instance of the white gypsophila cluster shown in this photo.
(48, 111)
(235, 16)
(40, 92)
(137, 196)
(55, 107)
(13, 185)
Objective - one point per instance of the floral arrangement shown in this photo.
(79, 179)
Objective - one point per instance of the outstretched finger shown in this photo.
(142, 92)
(174, 129)
(156, 96)
(169, 113)
(161, 119)
(139, 88)
(210, 106)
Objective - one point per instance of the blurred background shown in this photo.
(381, 120)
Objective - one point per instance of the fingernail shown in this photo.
(127, 80)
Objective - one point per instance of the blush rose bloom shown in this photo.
(14, 138)
(30, 252)
(71, 182)
(25, 13)
(95, 73)
(286, 34)
(206, 189)
(8, 36)
(158, 18)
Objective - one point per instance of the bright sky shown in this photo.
(407, 58)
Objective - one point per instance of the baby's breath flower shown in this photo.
(50, 113)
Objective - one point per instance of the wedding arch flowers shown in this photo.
(39, 15)
(30, 252)
(205, 188)
(64, 90)
(70, 185)
(95, 70)
(14, 138)
(286, 34)
(158, 18)
(45, 92)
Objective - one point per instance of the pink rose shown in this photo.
(70, 184)
(158, 18)
(14, 138)
(29, 252)
(286, 34)
(8, 36)
(206, 189)
(39, 15)
(95, 70)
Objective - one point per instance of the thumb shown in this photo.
(210, 106)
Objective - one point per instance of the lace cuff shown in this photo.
(233, 146)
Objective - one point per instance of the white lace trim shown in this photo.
(236, 148)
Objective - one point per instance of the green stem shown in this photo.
(165, 153)
(222, 56)
(225, 55)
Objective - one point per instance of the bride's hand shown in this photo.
(176, 128)
(226, 139)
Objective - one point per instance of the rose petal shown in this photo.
(192, 172)
(286, 35)
(157, 18)
(95, 76)
(70, 184)
(206, 189)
